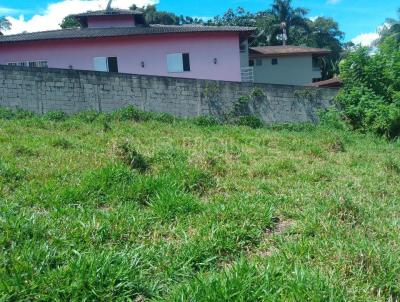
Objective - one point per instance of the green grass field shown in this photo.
(173, 211)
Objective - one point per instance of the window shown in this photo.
(251, 63)
(274, 61)
(259, 62)
(29, 64)
(106, 64)
(315, 63)
(243, 47)
(178, 62)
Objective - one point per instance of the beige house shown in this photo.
(290, 65)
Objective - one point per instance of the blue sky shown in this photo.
(356, 17)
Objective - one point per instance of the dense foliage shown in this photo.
(70, 22)
(370, 97)
(321, 32)
(391, 28)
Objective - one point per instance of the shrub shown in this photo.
(250, 121)
(87, 116)
(130, 113)
(370, 98)
(8, 114)
(333, 118)
(56, 116)
(163, 117)
(205, 121)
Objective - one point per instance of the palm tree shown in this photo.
(286, 19)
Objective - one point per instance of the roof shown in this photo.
(287, 50)
(110, 12)
(87, 33)
(83, 17)
(331, 83)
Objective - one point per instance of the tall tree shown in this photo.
(325, 33)
(391, 28)
(238, 17)
(153, 16)
(288, 17)
(4, 24)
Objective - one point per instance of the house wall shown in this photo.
(111, 21)
(293, 70)
(42, 90)
(131, 51)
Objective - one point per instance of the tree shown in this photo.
(152, 16)
(238, 17)
(4, 24)
(325, 33)
(70, 22)
(391, 28)
(291, 18)
(370, 98)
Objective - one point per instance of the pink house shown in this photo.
(120, 41)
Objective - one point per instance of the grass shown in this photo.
(142, 208)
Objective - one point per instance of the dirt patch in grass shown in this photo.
(266, 248)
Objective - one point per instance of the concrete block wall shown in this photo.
(42, 90)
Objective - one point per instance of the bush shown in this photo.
(205, 121)
(130, 113)
(370, 98)
(333, 118)
(56, 116)
(250, 121)
(8, 114)
(87, 116)
(163, 117)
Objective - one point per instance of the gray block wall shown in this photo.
(43, 90)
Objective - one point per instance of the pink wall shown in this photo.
(111, 21)
(131, 51)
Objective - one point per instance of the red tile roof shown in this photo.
(331, 83)
(288, 50)
(86, 33)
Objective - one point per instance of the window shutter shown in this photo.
(113, 64)
(186, 62)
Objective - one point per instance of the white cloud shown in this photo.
(365, 39)
(55, 12)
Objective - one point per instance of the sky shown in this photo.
(359, 19)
